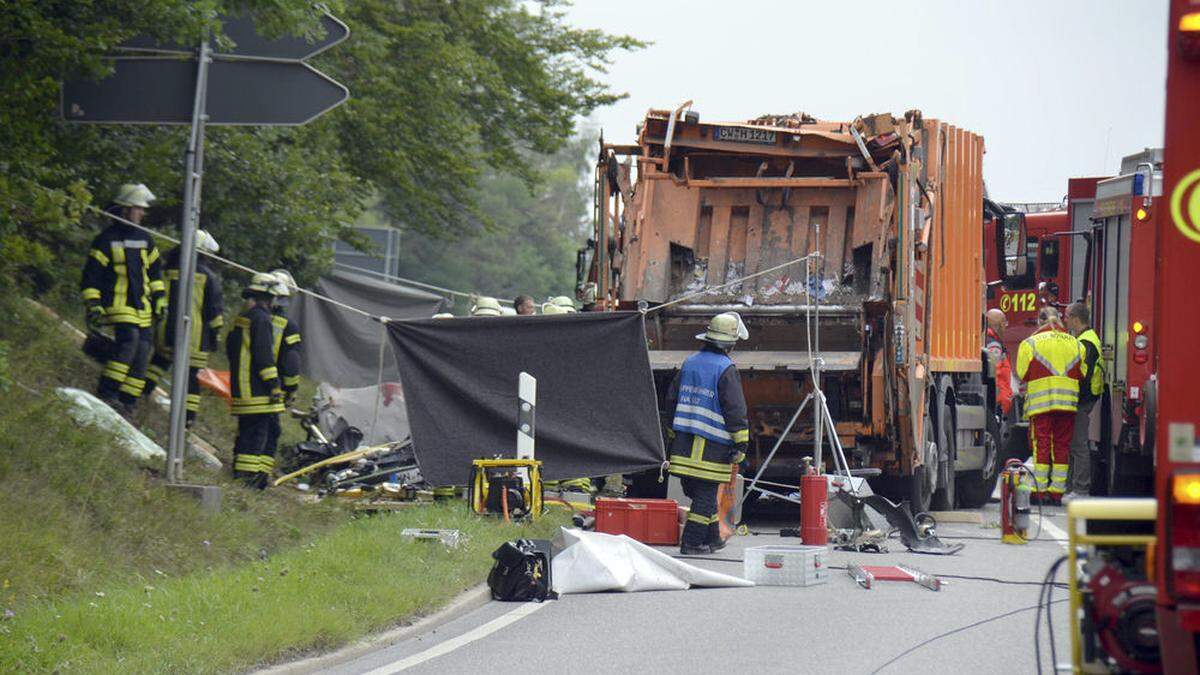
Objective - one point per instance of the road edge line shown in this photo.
(448, 646)
(464, 603)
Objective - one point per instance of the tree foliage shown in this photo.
(529, 246)
(445, 96)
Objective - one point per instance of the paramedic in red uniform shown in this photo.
(1050, 364)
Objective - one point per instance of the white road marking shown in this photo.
(1055, 531)
(467, 638)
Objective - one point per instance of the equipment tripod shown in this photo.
(821, 414)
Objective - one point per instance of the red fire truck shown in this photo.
(1041, 263)
(1115, 234)
(1027, 258)
(1095, 250)
(1173, 334)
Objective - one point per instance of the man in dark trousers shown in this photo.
(122, 287)
(709, 429)
(257, 394)
(208, 316)
(1091, 387)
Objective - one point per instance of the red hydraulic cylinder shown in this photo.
(814, 509)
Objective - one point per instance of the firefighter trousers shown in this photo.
(156, 373)
(703, 525)
(1050, 438)
(1081, 450)
(124, 373)
(253, 452)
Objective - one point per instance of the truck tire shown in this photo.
(975, 488)
(920, 485)
(944, 497)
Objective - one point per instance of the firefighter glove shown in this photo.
(738, 455)
(277, 396)
(160, 304)
(95, 316)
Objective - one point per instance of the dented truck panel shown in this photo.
(895, 216)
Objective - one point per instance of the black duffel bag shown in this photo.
(521, 572)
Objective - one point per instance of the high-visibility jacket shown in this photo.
(123, 275)
(1050, 363)
(286, 344)
(208, 309)
(709, 416)
(1093, 367)
(999, 357)
(253, 375)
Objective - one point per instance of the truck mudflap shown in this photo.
(917, 537)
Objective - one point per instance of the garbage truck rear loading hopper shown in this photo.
(894, 207)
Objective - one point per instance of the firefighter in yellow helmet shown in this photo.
(286, 344)
(564, 303)
(122, 288)
(709, 427)
(257, 392)
(1050, 364)
(208, 317)
(486, 306)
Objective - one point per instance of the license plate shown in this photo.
(744, 135)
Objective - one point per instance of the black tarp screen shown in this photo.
(597, 413)
(342, 347)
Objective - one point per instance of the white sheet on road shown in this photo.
(591, 562)
(86, 409)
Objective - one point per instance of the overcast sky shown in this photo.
(1058, 88)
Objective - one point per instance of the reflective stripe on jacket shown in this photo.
(698, 408)
(208, 309)
(1093, 367)
(1050, 363)
(122, 274)
(252, 349)
(286, 336)
(696, 457)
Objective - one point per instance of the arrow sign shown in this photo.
(150, 90)
(248, 43)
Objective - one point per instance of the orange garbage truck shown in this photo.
(704, 217)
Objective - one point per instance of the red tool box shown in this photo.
(650, 521)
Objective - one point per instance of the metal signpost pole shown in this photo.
(194, 171)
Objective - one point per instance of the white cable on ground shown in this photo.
(710, 289)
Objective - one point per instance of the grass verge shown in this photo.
(357, 579)
(103, 569)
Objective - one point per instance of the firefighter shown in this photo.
(1050, 364)
(998, 355)
(257, 393)
(564, 303)
(1079, 322)
(524, 305)
(208, 317)
(285, 344)
(709, 432)
(122, 288)
(486, 306)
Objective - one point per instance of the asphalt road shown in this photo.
(832, 628)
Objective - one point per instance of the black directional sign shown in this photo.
(247, 42)
(157, 90)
